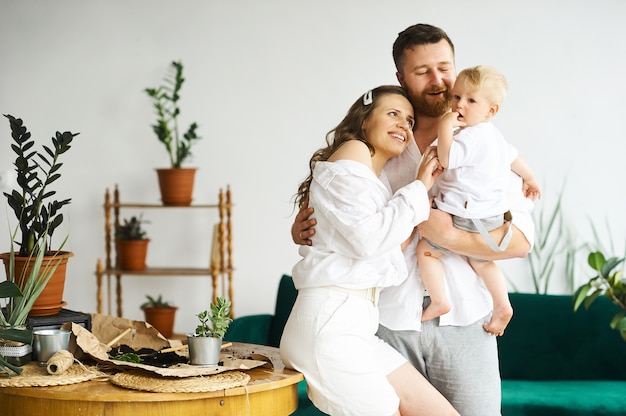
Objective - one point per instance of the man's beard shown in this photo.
(429, 108)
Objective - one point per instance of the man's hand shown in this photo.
(440, 230)
(302, 229)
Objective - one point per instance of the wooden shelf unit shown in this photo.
(221, 264)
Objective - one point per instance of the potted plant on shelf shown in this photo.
(206, 343)
(160, 314)
(38, 215)
(131, 244)
(175, 182)
(21, 291)
(608, 283)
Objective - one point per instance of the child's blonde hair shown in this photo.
(487, 79)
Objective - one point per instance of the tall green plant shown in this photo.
(599, 242)
(555, 247)
(165, 101)
(36, 212)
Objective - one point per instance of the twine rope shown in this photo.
(60, 362)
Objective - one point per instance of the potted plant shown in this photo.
(21, 291)
(37, 213)
(176, 182)
(206, 343)
(160, 314)
(131, 244)
(609, 283)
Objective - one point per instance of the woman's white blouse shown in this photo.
(360, 227)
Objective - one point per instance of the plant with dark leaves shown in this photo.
(37, 213)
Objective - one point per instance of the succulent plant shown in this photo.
(219, 318)
(131, 229)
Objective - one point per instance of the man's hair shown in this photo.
(487, 79)
(419, 34)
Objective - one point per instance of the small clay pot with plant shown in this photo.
(20, 293)
(38, 213)
(175, 182)
(131, 243)
(160, 314)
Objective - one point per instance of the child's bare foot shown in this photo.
(500, 318)
(434, 310)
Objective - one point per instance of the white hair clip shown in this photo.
(367, 98)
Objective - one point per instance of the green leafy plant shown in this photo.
(600, 241)
(608, 282)
(131, 229)
(36, 213)
(129, 357)
(155, 302)
(215, 323)
(165, 101)
(555, 246)
(20, 301)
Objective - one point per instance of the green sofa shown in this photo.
(553, 361)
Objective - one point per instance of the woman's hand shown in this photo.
(429, 169)
(302, 228)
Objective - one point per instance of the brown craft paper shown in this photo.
(142, 335)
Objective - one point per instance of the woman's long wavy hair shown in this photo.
(350, 128)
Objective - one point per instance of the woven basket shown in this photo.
(34, 375)
(144, 381)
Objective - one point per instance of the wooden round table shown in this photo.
(269, 392)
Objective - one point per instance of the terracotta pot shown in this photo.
(50, 301)
(162, 319)
(131, 254)
(176, 185)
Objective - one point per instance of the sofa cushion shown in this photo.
(547, 340)
(251, 329)
(556, 398)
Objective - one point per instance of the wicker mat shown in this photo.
(144, 381)
(35, 376)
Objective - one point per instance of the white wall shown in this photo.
(265, 81)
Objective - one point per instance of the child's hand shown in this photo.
(452, 119)
(531, 190)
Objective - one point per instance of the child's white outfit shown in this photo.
(473, 187)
